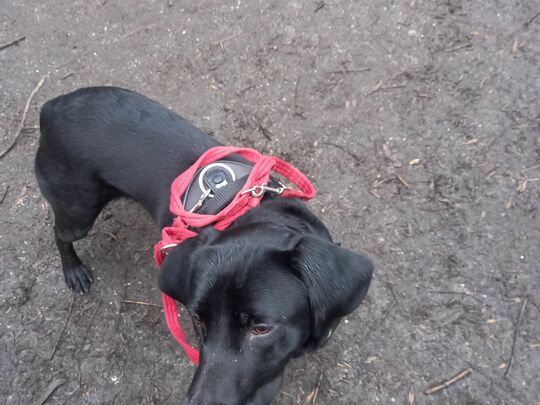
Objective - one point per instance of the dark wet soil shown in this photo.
(419, 123)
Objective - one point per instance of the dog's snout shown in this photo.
(207, 389)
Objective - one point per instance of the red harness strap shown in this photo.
(244, 201)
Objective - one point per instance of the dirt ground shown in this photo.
(419, 123)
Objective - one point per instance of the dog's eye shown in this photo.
(261, 329)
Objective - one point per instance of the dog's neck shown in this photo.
(289, 213)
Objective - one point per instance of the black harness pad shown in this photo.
(214, 186)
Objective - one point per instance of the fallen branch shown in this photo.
(516, 330)
(378, 89)
(66, 76)
(64, 327)
(4, 195)
(402, 181)
(343, 149)
(141, 303)
(457, 48)
(345, 71)
(15, 42)
(319, 7)
(448, 383)
(49, 391)
(23, 119)
(530, 20)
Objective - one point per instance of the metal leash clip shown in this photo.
(258, 191)
(200, 203)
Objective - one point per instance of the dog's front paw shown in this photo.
(78, 278)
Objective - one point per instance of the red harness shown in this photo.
(249, 197)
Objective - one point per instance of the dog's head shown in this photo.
(259, 295)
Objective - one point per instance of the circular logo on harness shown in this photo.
(216, 177)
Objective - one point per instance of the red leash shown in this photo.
(249, 197)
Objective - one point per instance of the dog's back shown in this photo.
(110, 141)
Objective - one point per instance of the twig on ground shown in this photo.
(15, 42)
(380, 182)
(141, 303)
(532, 19)
(23, 119)
(345, 71)
(457, 48)
(516, 331)
(262, 129)
(227, 38)
(410, 396)
(66, 76)
(295, 99)
(343, 149)
(89, 324)
(387, 311)
(286, 394)
(462, 292)
(4, 195)
(432, 185)
(169, 393)
(136, 31)
(378, 89)
(49, 391)
(320, 6)
(402, 181)
(312, 396)
(30, 129)
(223, 40)
(122, 295)
(448, 383)
(515, 46)
(64, 327)
(531, 168)
(111, 235)
(522, 186)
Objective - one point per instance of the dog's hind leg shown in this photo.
(76, 199)
(66, 231)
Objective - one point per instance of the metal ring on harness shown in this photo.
(165, 248)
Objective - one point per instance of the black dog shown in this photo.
(270, 287)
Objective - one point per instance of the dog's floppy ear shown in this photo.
(337, 280)
(178, 272)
